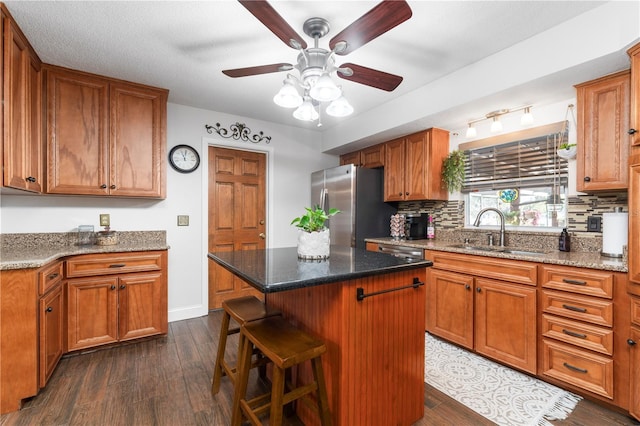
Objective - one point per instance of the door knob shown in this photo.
(262, 222)
(262, 235)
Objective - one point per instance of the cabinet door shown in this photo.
(22, 90)
(394, 172)
(634, 116)
(415, 176)
(373, 156)
(350, 158)
(92, 312)
(51, 332)
(438, 150)
(603, 141)
(142, 300)
(137, 141)
(77, 133)
(634, 227)
(634, 370)
(450, 306)
(505, 323)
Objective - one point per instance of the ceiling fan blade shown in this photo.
(370, 77)
(261, 69)
(377, 21)
(274, 22)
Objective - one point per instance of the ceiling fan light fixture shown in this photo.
(325, 90)
(288, 96)
(340, 108)
(306, 111)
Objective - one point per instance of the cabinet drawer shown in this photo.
(49, 276)
(578, 280)
(588, 371)
(113, 263)
(597, 339)
(513, 271)
(635, 310)
(589, 309)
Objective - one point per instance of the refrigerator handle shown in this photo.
(323, 193)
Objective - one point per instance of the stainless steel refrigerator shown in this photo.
(358, 193)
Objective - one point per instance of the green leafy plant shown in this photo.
(566, 145)
(453, 171)
(313, 220)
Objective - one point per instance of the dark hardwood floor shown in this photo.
(167, 381)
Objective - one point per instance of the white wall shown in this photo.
(295, 153)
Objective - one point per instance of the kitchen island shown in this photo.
(369, 308)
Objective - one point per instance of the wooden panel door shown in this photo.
(415, 176)
(450, 306)
(142, 305)
(394, 172)
(603, 140)
(373, 156)
(92, 312)
(237, 215)
(634, 226)
(350, 158)
(51, 332)
(634, 54)
(137, 142)
(634, 370)
(505, 323)
(77, 133)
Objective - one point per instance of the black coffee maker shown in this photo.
(415, 226)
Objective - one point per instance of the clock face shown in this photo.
(184, 158)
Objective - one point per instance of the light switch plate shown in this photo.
(105, 220)
(183, 220)
(594, 224)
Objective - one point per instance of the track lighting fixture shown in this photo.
(496, 124)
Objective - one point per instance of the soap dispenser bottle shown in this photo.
(564, 242)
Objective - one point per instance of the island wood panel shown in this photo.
(374, 365)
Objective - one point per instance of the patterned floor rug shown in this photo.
(499, 394)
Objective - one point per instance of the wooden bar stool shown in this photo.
(285, 346)
(242, 310)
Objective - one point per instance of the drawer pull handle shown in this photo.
(53, 276)
(574, 308)
(574, 282)
(117, 265)
(571, 367)
(574, 334)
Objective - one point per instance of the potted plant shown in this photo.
(567, 150)
(453, 171)
(313, 235)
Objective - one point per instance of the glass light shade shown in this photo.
(496, 125)
(325, 90)
(471, 131)
(339, 108)
(527, 117)
(306, 111)
(288, 96)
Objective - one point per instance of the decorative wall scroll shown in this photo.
(238, 131)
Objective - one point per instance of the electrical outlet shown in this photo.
(594, 223)
(183, 220)
(105, 220)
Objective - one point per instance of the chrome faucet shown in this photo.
(483, 211)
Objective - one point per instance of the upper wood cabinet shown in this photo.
(22, 110)
(371, 157)
(104, 136)
(634, 117)
(603, 125)
(413, 166)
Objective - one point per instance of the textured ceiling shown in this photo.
(184, 46)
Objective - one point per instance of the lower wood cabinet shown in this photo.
(633, 342)
(494, 317)
(107, 308)
(51, 331)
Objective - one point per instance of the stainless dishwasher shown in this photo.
(409, 253)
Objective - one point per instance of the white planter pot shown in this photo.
(313, 245)
(567, 153)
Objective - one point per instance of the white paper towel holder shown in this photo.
(609, 254)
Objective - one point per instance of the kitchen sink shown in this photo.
(499, 249)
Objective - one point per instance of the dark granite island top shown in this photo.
(279, 269)
(369, 308)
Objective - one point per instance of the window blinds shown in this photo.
(525, 163)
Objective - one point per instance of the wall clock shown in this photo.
(184, 159)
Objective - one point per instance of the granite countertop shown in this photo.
(25, 251)
(579, 259)
(279, 269)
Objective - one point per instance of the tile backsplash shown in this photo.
(450, 222)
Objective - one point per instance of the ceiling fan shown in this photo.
(315, 64)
